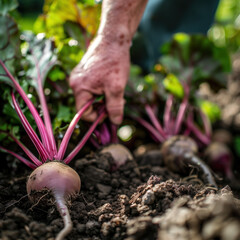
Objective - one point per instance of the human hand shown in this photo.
(104, 70)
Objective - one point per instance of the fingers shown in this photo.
(115, 104)
(81, 99)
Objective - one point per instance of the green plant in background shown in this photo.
(71, 24)
(226, 30)
(170, 93)
(197, 59)
(20, 51)
(192, 60)
(11, 54)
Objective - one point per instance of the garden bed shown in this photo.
(140, 200)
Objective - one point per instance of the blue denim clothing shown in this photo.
(163, 18)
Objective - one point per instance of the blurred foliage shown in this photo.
(226, 30)
(28, 56)
(187, 61)
(237, 145)
(40, 57)
(27, 6)
(9, 37)
(196, 59)
(210, 109)
(71, 24)
(172, 84)
(7, 6)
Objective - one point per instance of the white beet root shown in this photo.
(119, 153)
(64, 184)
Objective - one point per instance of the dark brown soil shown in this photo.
(140, 200)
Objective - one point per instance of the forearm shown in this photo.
(104, 68)
(120, 19)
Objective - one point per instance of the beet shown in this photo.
(219, 158)
(180, 155)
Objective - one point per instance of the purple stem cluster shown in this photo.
(46, 144)
(172, 124)
(104, 135)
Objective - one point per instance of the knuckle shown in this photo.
(115, 107)
(76, 80)
(117, 88)
(72, 82)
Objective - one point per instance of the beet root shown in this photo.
(63, 183)
(180, 155)
(219, 158)
(119, 153)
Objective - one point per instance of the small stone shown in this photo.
(92, 227)
(148, 198)
(115, 182)
(81, 228)
(124, 182)
(104, 189)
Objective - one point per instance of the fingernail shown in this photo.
(117, 119)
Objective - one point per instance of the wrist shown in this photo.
(120, 38)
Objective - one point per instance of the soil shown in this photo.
(141, 200)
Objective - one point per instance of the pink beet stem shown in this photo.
(46, 116)
(85, 138)
(154, 120)
(22, 159)
(97, 133)
(105, 135)
(24, 148)
(151, 129)
(206, 124)
(33, 136)
(68, 134)
(167, 113)
(31, 107)
(181, 111)
(197, 132)
(94, 142)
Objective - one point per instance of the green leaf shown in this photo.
(183, 44)
(9, 111)
(64, 114)
(70, 56)
(171, 63)
(41, 57)
(88, 2)
(208, 62)
(9, 45)
(73, 31)
(57, 13)
(57, 74)
(173, 85)
(222, 56)
(237, 145)
(7, 6)
(150, 79)
(210, 109)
